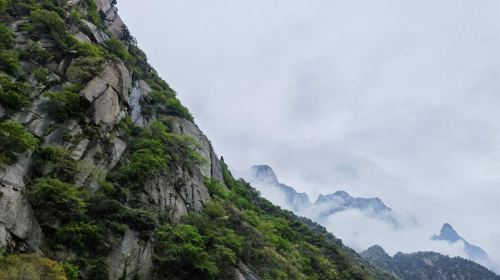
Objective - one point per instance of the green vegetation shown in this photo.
(65, 104)
(9, 59)
(50, 22)
(13, 94)
(58, 161)
(57, 200)
(29, 266)
(118, 48)
(240, 225)
(165, 102)
(151, 150)
(41, 75)
(85, 68)
(14, 138)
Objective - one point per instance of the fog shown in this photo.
(394, 99)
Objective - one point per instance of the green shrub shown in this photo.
(216, 188)
(163, 102)
(50, 22)
(30, 266)
(58, 160)
(41, 75)
(71, 271)
(110, 210)
(118, 48)
(14, 138)
(7, 37)
(64, 104)
(9, 61)
(54, 199)
(84, 68)
(35, 52)
(13, 95)
(88, 50)
(92, 12)
(181, 251)
(82, 236)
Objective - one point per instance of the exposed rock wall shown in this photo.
(110, 95)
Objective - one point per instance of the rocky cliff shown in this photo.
(105, 175)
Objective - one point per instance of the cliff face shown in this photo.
(94, 142)
(103, 171)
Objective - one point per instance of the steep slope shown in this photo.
(427, 266)
(104, 175)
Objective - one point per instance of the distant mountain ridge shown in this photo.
(263, 178)
(427, 265)
(266, 181)
(473, 252)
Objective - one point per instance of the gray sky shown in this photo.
(395, 99)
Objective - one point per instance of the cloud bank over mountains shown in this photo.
(364, 222)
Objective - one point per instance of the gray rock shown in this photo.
(103, 91)
(117, 149)
(212, 167)
(106, 108)
(114, 75)
(94, 89)
(14, 174)
(245, 273)
(138, 92)
(112, 19)
(175, 194)
(131, 258)
(80, 36)
(35, 117)
(97, 34)
(79, 150)
(18, 226)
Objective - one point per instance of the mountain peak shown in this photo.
(264, 173)
(448, 233)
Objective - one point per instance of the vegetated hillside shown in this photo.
(104, 175)
(427, 265)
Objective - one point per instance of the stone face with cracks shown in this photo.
(210, 169)
(132, 258)
(106, 91)
(19, 228)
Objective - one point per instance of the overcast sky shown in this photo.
(395, 99)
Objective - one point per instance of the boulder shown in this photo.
(35, 117)
(103, 93)
(14, 174)
(19, 228)
(106, 108)
(131, 259)
(96, 34)
(117, 148)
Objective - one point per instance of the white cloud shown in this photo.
(395, 99)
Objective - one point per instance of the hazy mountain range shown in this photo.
(328, 206)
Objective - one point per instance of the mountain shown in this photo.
(427, 265)
(105, 175)
(265, 180)
(473, 252)
(281, 194)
